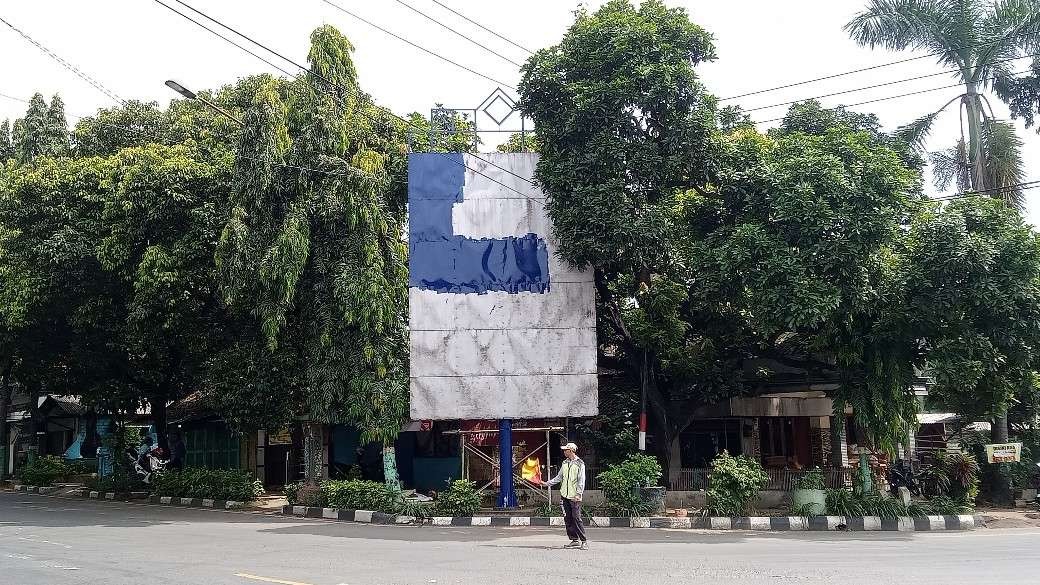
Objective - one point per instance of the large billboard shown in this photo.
(500, 326)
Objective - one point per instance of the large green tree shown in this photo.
(971, 273)
(110, 265)
(313, 248)
(716, 247)
(6, 146)
(623, 122)
(978, 40)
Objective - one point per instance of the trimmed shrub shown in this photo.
(460, 499)
(357, 494)
(216, 484)
(43, 471)
(621, 485)
(733, 485)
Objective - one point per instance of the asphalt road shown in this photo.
(50, 541)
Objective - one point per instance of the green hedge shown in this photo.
(44, 471)
(358, 494)
(216, 484)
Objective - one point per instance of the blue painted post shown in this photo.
(506, 495)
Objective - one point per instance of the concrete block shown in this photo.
(520, 521)
(363, 516)
(721, 523)
(759, 523)
(166, 500)
(441, 521)
(871, 523)
(207, 502)
(640, 523)
(482, 521)
(330, 513)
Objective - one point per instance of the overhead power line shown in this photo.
(893, 97)
(845, 73)
(989, 192)
(475, 23)
(455, 32)
(416, 45)
(336, 87)
(875, 86)
(200, 25)
(77, 71)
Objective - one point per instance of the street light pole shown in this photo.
(188, 94)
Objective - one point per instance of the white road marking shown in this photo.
(41, 541)
(268, 579)
(22, 557)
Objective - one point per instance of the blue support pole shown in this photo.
(506, 495)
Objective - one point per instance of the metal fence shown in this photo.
(690, 479)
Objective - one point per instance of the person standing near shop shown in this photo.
(571, 479)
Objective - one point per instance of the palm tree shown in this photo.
(979, 40)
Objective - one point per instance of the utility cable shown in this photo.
(473, 22)
(336, 87)
(455, 32)
(417, 46)
(78, 72)
(844, 73)
(864, 88)
(200, 25)
(902, 95)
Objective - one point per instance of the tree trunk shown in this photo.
(312, 455)
(674, 463)
(975, 152)
(37, 424)
(159, 419)
(5, 405)
(390, 476)
(999, 473)
(1000, 428)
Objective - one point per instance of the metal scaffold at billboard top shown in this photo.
(491, 121)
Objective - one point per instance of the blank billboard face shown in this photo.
(500, 326)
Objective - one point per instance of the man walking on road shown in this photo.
(572, 483)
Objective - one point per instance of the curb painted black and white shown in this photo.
(32, 489)
(762, 523)
(198, 502)
(112, 496)
(363, 516)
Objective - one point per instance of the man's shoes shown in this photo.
(584, 545)
(573, 544)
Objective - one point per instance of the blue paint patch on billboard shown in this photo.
(442, 261)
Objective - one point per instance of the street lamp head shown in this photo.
(187, 93)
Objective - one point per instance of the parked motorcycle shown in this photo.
(148, 464)
(901, 474)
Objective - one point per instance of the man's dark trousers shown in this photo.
(572, 518)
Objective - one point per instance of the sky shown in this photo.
(133, 46)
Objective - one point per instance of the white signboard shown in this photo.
(1004, 453)
(500, 327)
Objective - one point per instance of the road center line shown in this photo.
(268, 579)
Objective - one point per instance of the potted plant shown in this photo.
(809, 497)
